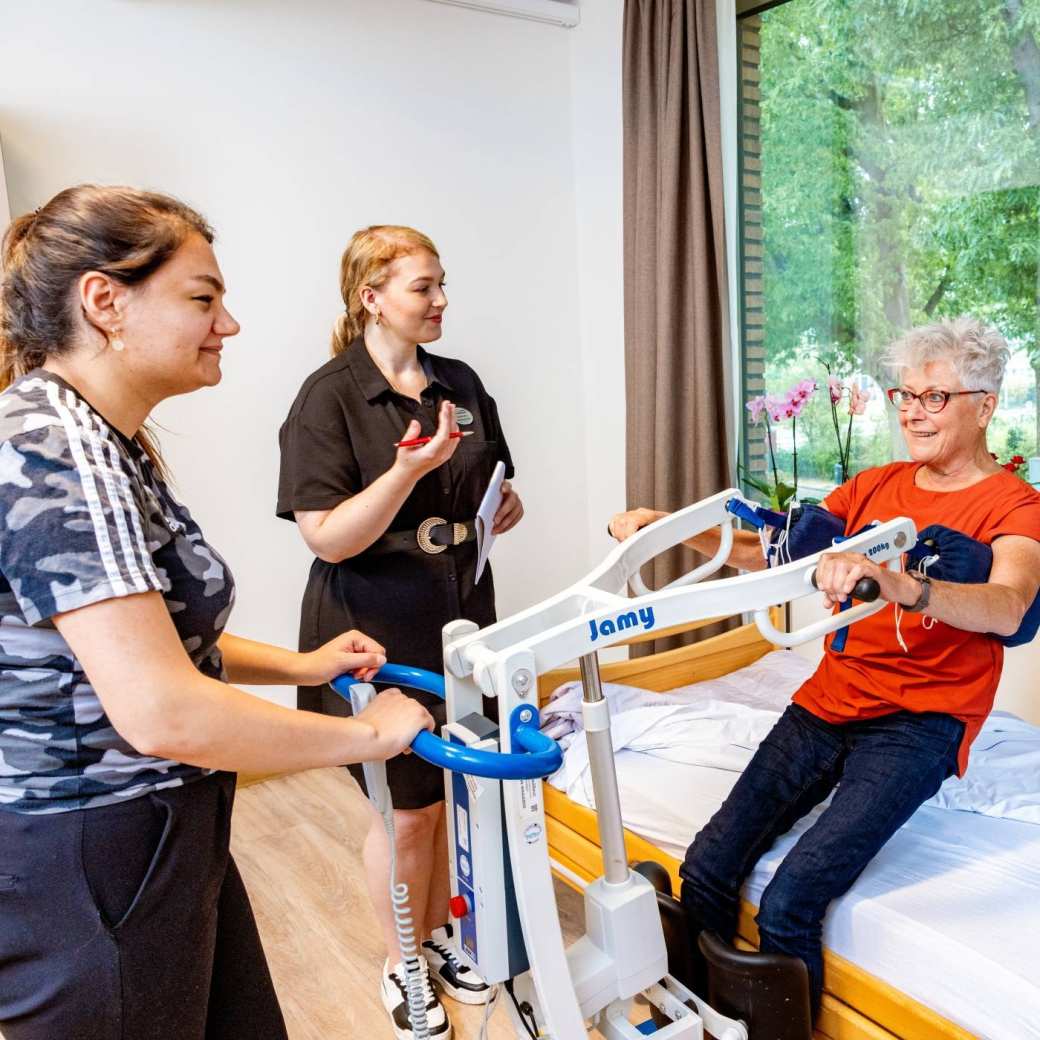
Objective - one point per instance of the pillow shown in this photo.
(1003, 775)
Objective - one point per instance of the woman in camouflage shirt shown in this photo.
(122, 914)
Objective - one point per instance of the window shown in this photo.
(890, 162)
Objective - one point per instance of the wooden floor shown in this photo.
(297, 841)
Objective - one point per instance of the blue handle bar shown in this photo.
(540, 757)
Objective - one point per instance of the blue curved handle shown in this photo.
(540, 757)
(405, 675)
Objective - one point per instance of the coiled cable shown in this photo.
(416, 980)
(414, 983)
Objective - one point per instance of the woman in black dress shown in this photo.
(392, 530)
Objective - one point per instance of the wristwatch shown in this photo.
(926, 591)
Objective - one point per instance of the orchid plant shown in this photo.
(858, 397)
(774, 409)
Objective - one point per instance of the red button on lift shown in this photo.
(459, 906)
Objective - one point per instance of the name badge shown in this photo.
(463, 416)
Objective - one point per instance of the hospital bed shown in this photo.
(939, 935)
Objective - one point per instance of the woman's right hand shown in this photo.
(425, 458)
(396, 720)
(624, 525)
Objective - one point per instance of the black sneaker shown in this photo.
(459, 982)
(395, 1000)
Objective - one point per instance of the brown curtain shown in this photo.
(677, 368)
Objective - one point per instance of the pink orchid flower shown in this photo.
(756, 406)
(798, 397)
(859, 399)
(836, 388)
(777, 407)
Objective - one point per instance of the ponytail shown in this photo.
(11, 365)
(343, 334)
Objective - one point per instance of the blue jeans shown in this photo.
(883, 768)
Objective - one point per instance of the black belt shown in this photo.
(432, 536)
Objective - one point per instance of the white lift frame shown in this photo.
(623, 953)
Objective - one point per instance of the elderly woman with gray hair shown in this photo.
(884, 721)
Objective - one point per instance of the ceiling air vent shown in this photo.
(555, 12)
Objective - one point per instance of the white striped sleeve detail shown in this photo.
(134, 546)
(90, 492)
(115, 502)
(135, 517)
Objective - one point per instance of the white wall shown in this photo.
(596, 143)
(291, 125)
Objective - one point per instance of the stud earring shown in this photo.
(116, 342)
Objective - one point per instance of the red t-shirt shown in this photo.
(943, 668)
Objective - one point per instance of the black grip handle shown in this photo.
(866, 589)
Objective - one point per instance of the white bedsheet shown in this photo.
(948, 912)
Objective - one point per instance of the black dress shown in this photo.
(337, 440)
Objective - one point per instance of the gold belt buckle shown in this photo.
(422, 535)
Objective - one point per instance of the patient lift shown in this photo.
(507, 925)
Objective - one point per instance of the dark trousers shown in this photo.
(131, 922)
(883, 768)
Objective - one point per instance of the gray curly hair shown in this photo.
(978, 352)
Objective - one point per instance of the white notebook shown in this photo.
(486, 517)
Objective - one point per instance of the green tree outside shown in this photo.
(900, 168)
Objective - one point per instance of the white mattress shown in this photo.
(948, 912)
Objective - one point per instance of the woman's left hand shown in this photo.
(352, 652)
(509, 512)
(838, 572)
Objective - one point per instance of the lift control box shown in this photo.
(483, 903)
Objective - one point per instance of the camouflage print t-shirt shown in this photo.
(84, 518)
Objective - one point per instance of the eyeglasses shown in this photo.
(931, 400)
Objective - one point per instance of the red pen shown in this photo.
(416, 442)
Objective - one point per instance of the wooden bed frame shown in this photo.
(856, 1005)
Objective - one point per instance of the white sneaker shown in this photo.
(395, 1000)
(458, 981)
